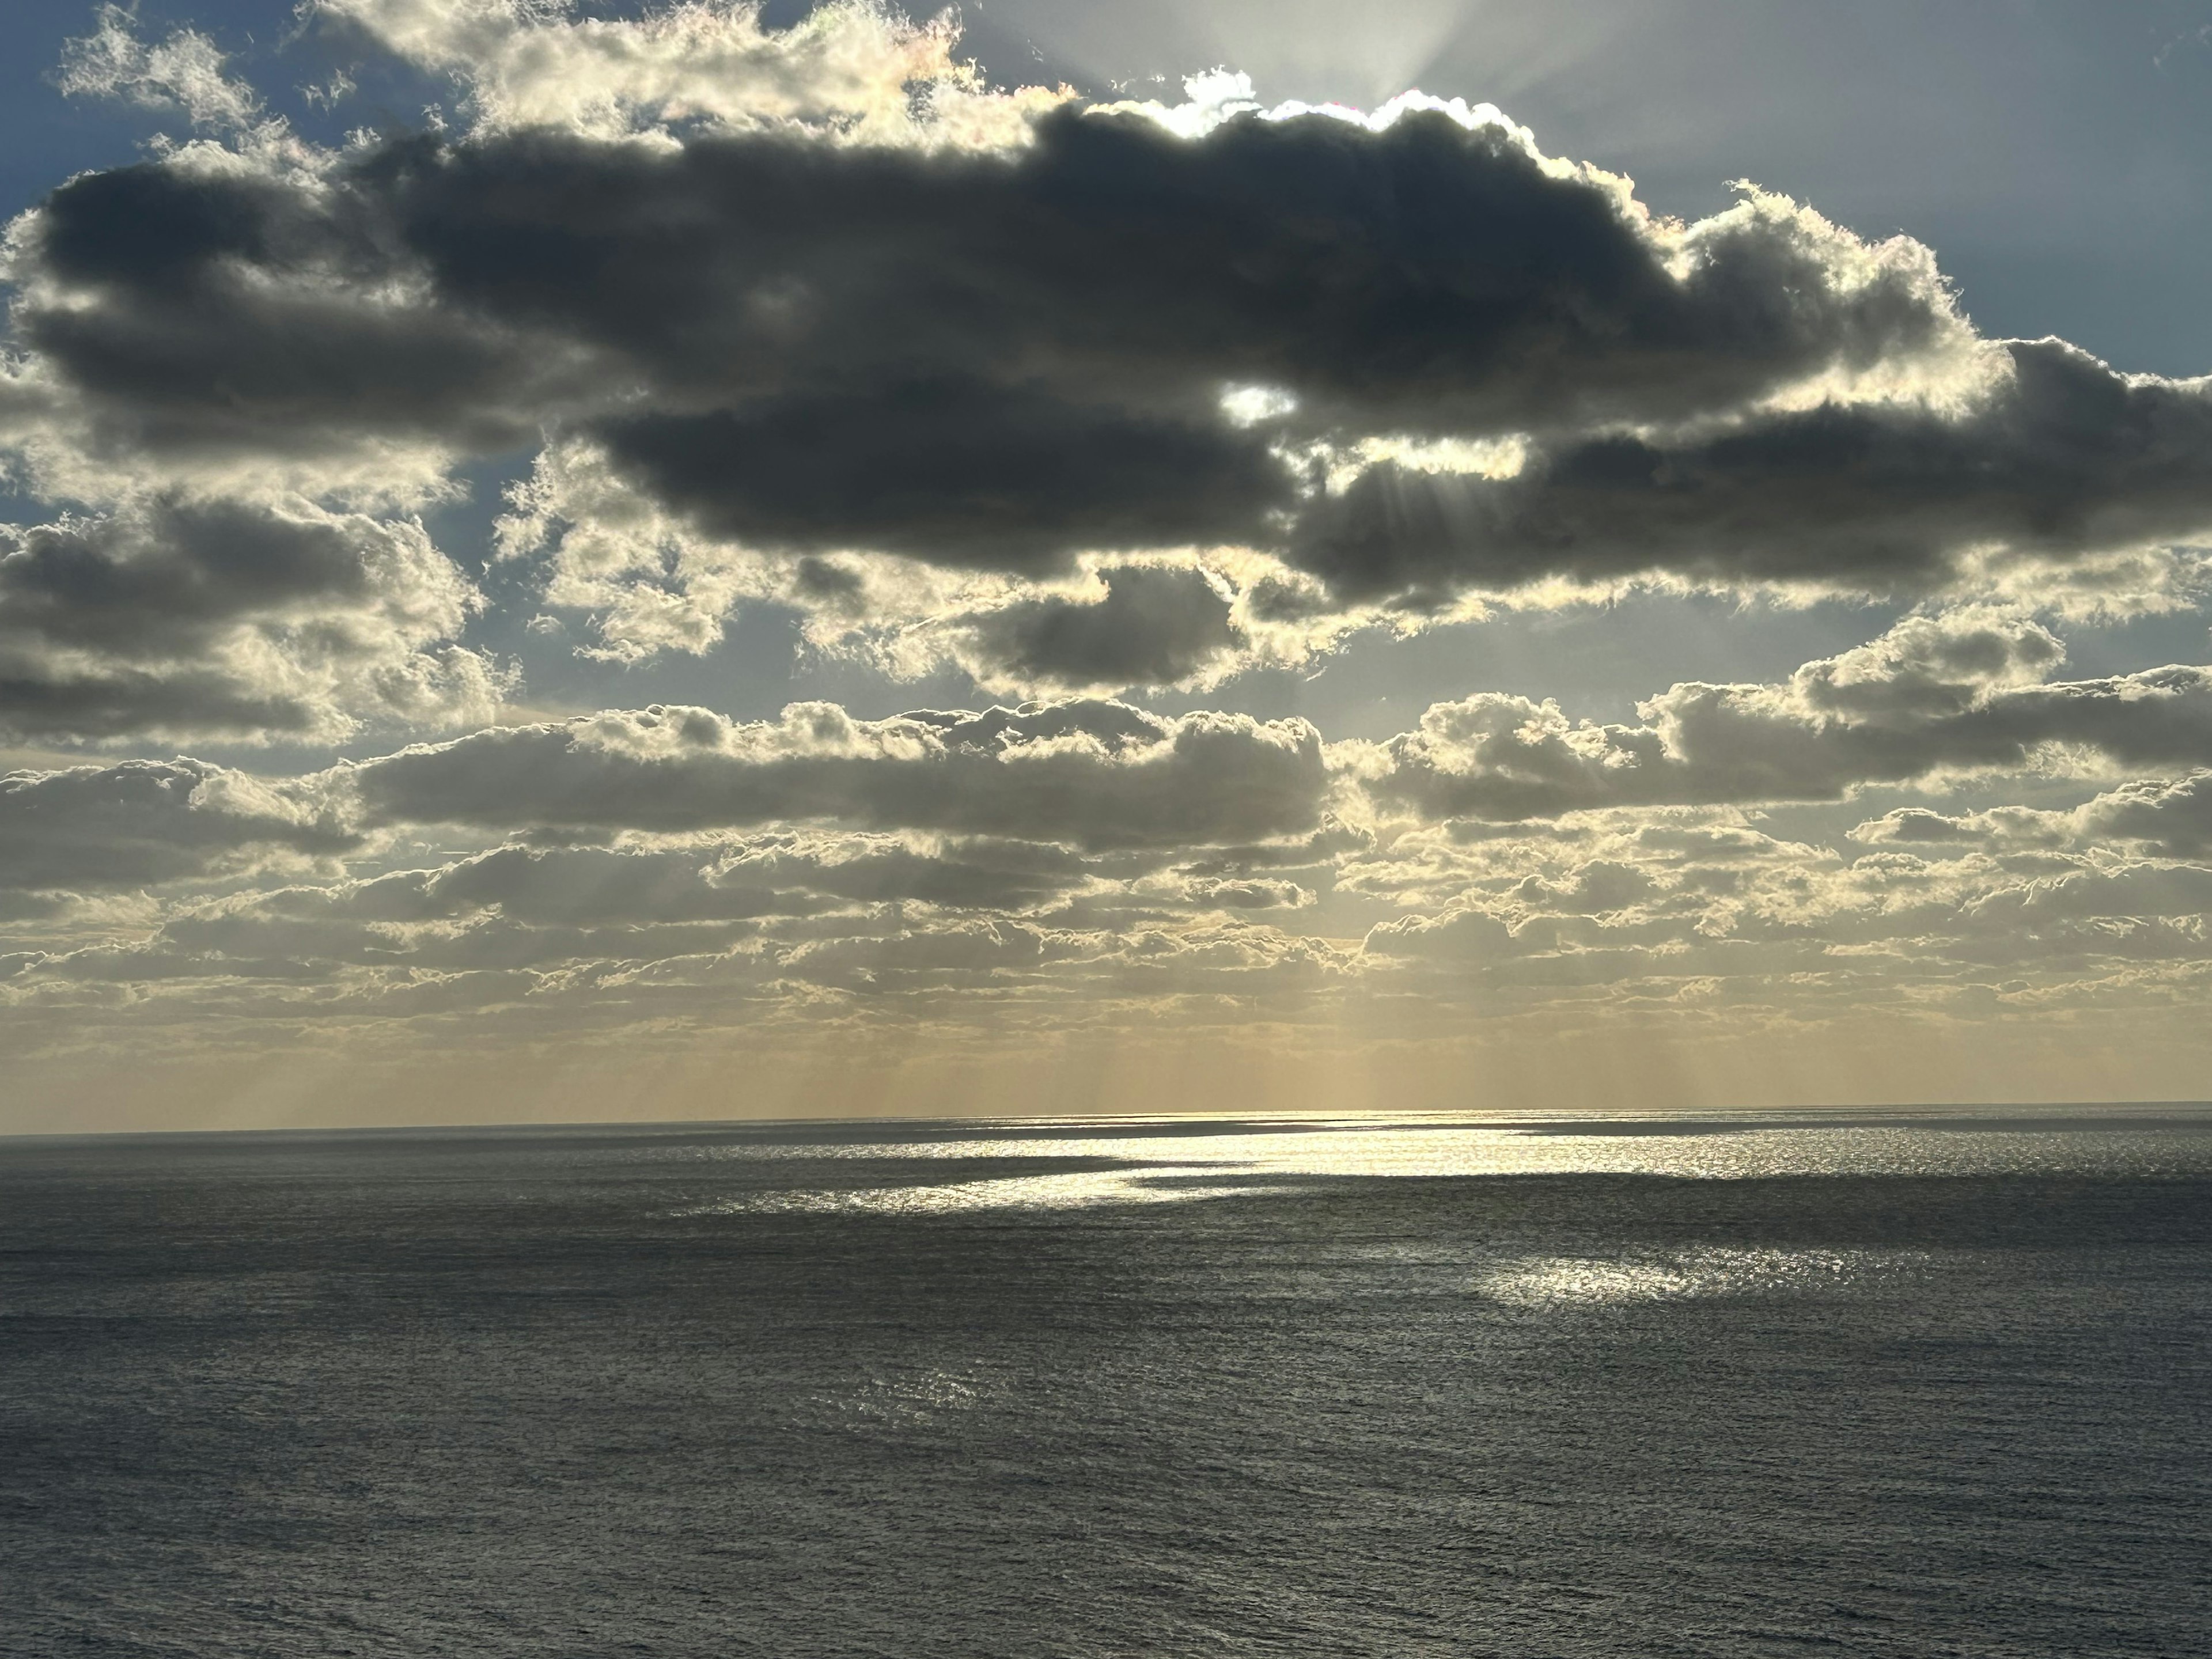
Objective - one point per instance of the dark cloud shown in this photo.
(2140, 891)
(1155, 626)
(1456, 935)
(1247, 895)
(987, 359)
(1428, 273)
(221, 616)
(1098, 775)
(569, 886)
(2175, 817)
(999, 358)
(1322, 848)
(205, 314)
(509, 908)
(862, 911)
(2062, 457)
(984, 358)
(954, 471)
(966, 954)
(142, 823)
(122, 701)
(154, 583)
(1920, 827)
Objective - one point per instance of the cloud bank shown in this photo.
(1119, 427)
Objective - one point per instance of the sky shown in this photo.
(591, 561)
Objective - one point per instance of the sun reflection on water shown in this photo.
(1682, 1275)
(1163, 1163)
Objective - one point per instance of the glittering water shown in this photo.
(1893, 1385)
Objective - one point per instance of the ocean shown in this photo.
(1889, 1383)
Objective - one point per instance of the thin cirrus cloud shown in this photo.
(1097, 408)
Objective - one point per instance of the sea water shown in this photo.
(1897, 1383)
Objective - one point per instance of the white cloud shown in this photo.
(184, 72)
(853, 68)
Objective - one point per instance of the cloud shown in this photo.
(2136, 891)
(2169, 816)
(1096, 774)
(1434, 274)
(996, 357)
(2172, 816)
(866, 915)
(1794, 926)
(2061, 457)
(184, 72)
(1153, 625)
(785, 874)
(544, 887)
(1926, 831)
(849, 65)
(1951, 693)
(650, 583)
(805, 320)
(225, 319)
(1249, 895)
(185, 617)
(142, 823)
(955, 471)
(984, 872)
(1067, 398)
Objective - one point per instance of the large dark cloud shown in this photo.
(990, 358)
(999, 358)
(1426, 274)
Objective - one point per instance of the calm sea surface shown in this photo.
(1890, 1385)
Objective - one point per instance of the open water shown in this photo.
(1890, 1385)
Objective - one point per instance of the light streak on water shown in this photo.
(1159, 1162)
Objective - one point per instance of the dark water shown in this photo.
(1889, 1388)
